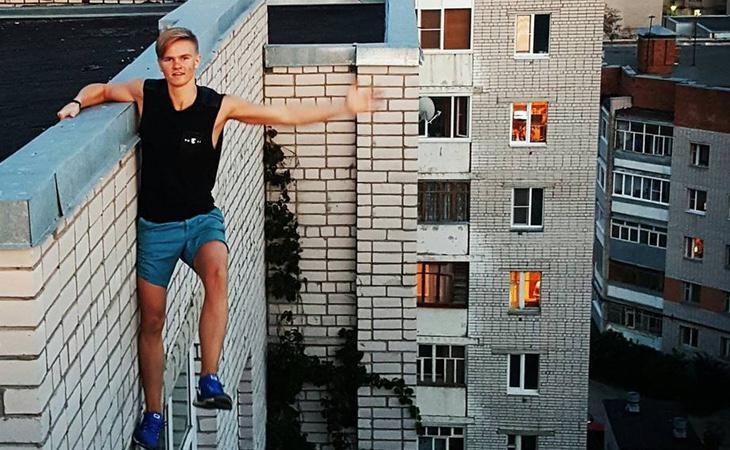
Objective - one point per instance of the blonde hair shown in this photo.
(171, 35)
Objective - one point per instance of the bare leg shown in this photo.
(211, 264)
(151, 352)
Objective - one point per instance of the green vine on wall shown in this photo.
(289, 367)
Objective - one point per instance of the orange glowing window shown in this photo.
(524, 290)
(442, 284)
(694, 248)
(529, 122)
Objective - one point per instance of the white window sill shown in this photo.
(530, 393)
(524, 311)
(520, 228)
(695, 260)
(695, 212)
(528, 144)
(529, 56)
(444, 140)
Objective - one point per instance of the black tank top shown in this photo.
(179, 161)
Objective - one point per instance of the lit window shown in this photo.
(524, 291)
(688, 336)
(694, 248)
(450, 120)
(441, 438)
(697, 201)
(529, 123)
(442, 284)
(699, 155)
(443, 201)
(455, 34)
(522, 373)
(441, 365)
(532, 34)
(521, 442)
(692, 292)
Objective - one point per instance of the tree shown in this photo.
(611, 23)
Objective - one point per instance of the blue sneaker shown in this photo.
(147, 434)
(211, 395)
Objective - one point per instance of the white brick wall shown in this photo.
(354, 182)
(68, 308)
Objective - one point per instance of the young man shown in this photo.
(182, 132)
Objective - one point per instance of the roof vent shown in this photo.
(679, 427)
(632, 402)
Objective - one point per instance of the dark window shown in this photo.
(641, 277)
(527, 207)
(542, 33)
(443, 201)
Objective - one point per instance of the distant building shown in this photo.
(635, 14)
(662, 247)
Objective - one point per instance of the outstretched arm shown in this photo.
(358, 100)
(94, 94)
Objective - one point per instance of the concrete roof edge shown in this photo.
(35, 191)
(400, 24)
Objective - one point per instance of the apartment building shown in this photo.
(504, 221)
(662, 246)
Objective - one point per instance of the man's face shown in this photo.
(179, 62)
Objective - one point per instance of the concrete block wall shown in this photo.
(569, 80)
(354, 193)
(68, 307)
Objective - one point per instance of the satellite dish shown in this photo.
(426, 109)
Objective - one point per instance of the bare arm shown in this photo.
(94, 94)
(358, 100)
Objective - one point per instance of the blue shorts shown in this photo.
(160, 245)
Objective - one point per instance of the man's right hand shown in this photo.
(72, 109)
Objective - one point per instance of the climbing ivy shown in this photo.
(289, 367)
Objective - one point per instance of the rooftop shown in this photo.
(649, 429)
(52, 59)
(327, 24)
(711, 62)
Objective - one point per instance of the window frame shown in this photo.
(643, 321)
(689, 248)
(518, 444)
(529, 226)
(603, 125)
(453, 125)
(691, 292)
(434, 359)
(693, 335)
(464, 271)
(521, 390)
(445, 5)
(521, 287)
(663, 183)
(693, 201)
(531, 53)
(626, 138)
(659, 234)
(454, 434)
(695, 155)
(528, 125)
(725, 347)
(601, 175)
(448, 188)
